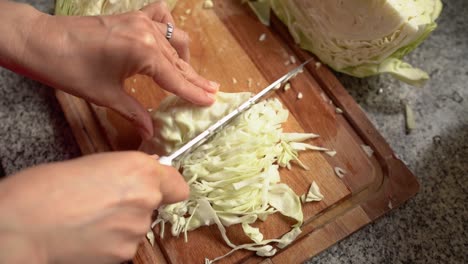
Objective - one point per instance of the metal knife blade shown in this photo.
(210, 131)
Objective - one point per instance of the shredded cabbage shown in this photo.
(360, 38)
(234, 177)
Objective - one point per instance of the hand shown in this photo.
(90, 57)
(94, 209)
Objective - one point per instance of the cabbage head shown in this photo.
(358, 37)
(101, 7)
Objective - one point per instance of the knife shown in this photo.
(210, 131)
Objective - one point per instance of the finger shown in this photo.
(192, 76)
(180, 41)
(170, 78)
(184, 68)
(134, 112)
(172, 186)
(159, 12)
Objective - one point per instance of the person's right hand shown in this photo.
(94, 209)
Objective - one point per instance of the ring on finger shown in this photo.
(169, 31)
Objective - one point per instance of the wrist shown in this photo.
(16, 246)
(17, 23)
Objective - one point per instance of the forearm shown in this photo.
(17, 21)
(38, 46)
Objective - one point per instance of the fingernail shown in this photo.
(211, 96)
(214, 85)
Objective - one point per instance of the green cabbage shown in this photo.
(177, 121)
(234, 177)
(358, 37)
(101, 7)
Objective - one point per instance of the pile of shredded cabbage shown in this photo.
(234, 177)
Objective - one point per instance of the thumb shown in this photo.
(134, 112)
(172, 186)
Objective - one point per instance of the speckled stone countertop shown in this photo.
(430, 228)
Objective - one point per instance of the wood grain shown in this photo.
(225, 45)
(83, 123)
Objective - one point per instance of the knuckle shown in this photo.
(141, 21)
(156, 71)
(173, 53)
(140, 16)
(182, 42)
(185, 38)
(146, 39)
(141, 32)
(184, 68)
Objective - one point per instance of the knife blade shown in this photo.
(210, 131)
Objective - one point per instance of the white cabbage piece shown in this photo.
(252, 232)
(234, 177)
(283, 199)
(360, 38)
(101, 7)
(313, 195)
(289, 237)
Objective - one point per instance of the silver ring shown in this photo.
(169, 31)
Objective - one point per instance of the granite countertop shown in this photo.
(430, 228)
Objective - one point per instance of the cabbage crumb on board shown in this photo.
(234, 177)
(356, 37)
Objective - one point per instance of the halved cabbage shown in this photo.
(360, 38)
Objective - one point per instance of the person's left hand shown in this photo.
(91, 57)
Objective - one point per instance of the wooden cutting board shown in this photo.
(225, 45)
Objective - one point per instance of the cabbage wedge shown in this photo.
(359, 38)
